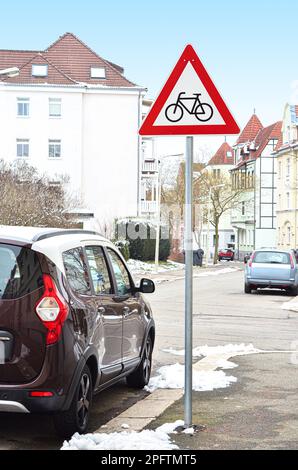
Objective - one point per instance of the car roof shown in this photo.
(273, 250)
(34, 234)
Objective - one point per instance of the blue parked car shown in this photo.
(276, 269)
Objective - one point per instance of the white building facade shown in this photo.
(70, 112)
(255, 175)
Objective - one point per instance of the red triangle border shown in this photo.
(230, 126)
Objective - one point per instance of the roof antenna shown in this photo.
(225, 138)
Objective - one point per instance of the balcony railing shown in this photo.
(242, 218)
(150, 166)
(148, 206)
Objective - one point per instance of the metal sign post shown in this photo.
(188, 247)
(189, 104)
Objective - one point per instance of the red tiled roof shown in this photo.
(221, 156)
(69, 61)
(54, 75)
(250, 131)
(266, 134)
(261, 141)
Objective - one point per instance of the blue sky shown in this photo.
(248, 47)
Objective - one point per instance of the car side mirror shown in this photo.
(245, 260)
(146, 286)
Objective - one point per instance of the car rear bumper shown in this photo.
(278, 283)
(19, 401)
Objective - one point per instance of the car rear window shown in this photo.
(272, 257)
(20, 271)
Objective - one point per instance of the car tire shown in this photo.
(76, 418)
(294, 291)
(140, 377)
(247, 288)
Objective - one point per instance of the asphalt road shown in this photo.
(222, 314)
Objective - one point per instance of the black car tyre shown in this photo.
(140, 377)
(247, 288)
(294, 291)
(76, 419)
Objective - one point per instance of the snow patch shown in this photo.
(172, 377)
(291, 305)
(233, 349)
(140, 267)
(144, 440)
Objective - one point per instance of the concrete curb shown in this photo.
(138, 416)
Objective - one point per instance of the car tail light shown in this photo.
(41, 394)
(292, 262)
(52, 309)
(251, 260)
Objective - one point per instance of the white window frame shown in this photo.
(289, 234)
(22, 104)
(23, 145)
(55, 101)
(39, 70)
(98, 73)
(288, 201)
(288, 167)
(55, 143)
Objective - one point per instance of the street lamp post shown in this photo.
(208, 222)
(158, 208)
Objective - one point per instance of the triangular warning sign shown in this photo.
(189, 103)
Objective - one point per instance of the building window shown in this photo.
(289, 234)
(22, 148)
(288, 200)
(288, 167)
(54, 148)
(39, 70)
(243, 208)
(54, 107)
(97, 72)
(23, 106)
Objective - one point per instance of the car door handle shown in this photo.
(127, 311)
(101, 310)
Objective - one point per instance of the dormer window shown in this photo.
(39, 70)
(98, 72)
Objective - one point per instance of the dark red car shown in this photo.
(227, 254)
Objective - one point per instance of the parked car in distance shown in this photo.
(226, 254)
(72, 322)
(275, 269)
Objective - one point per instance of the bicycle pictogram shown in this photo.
(202, 111)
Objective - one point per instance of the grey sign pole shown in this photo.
(188, 247)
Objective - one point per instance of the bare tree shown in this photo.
(222, 197)
(30, 199)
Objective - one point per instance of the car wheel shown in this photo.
(76, 419)
(140, 377)
(294, 291)
(247, 288)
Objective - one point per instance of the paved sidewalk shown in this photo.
(257, 412)
(176, 274)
